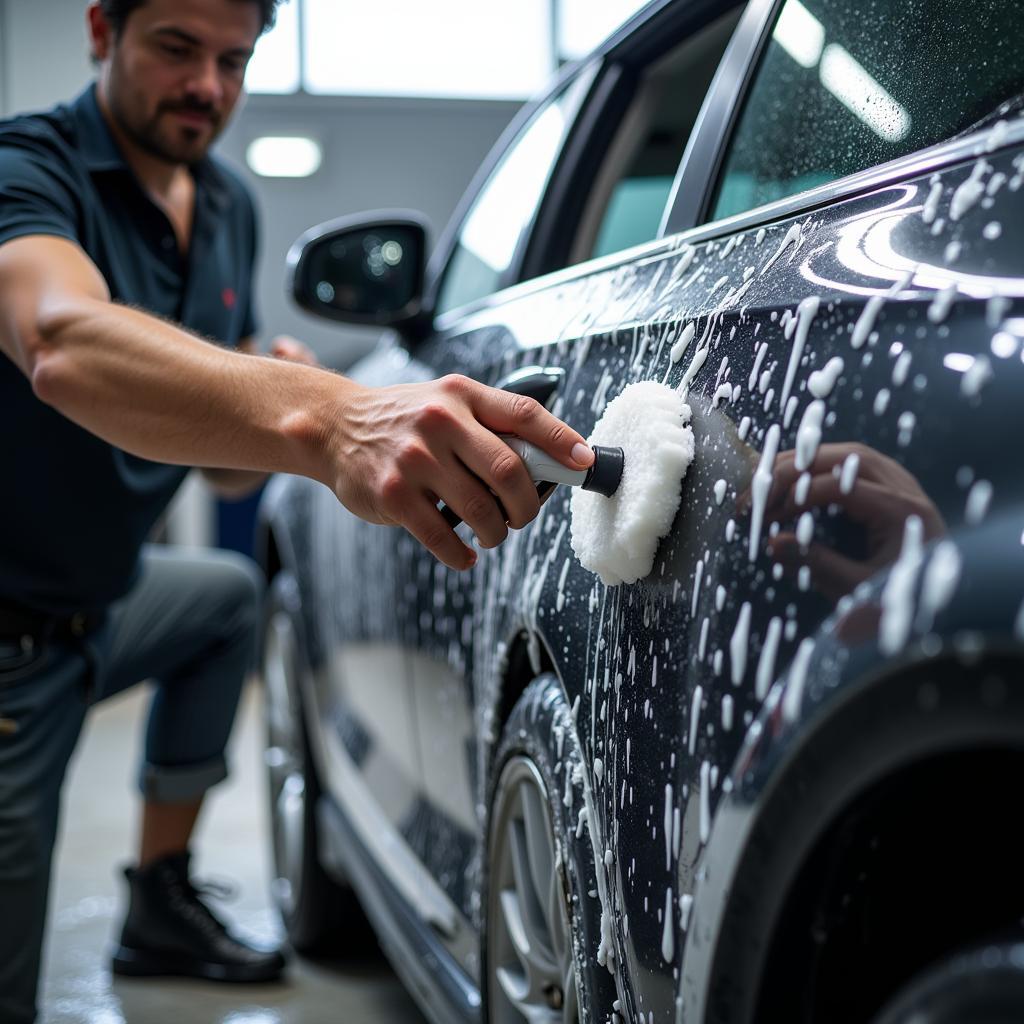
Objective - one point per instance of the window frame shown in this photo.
(699, 172)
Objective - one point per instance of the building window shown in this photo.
(472, 49)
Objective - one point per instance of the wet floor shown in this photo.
(98, 835)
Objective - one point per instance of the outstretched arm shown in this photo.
(155, 390)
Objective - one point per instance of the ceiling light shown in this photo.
(284, 156)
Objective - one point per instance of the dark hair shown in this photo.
(116, 11)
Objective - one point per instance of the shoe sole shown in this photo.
(140, 963)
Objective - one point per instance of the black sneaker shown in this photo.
(170, 931)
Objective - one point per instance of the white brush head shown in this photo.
(617, 537)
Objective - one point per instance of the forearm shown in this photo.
(161, 393)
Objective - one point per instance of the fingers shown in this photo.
(506, 413)
(479, 509)
(428, 526)
(503, 471)
(866, 502)
(832, 574)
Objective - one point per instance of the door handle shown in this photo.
(537, 382)
(540, 383)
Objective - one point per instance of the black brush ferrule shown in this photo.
(605, 474)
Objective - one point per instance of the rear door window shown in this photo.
(847, 84)
(628, 197)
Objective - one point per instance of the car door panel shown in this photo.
(671, 672)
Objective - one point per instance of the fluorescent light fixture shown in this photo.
(847, 80)
(284, 156)
(959, 362)
(800, 34)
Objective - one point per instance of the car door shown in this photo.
(671, 672)
(467, 625)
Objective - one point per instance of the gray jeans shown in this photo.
(190, 625)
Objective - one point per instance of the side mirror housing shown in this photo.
(367, 269)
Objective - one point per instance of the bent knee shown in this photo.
(239, 586)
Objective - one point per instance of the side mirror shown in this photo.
(362, 270)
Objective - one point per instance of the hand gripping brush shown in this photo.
(603, 476)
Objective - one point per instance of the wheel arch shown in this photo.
(796, 797)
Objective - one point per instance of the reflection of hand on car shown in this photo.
(880, 498)
(398, 450)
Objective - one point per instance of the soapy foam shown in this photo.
(617, 537)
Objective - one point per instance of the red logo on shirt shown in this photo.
(229, 298)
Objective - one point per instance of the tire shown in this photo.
(319, 914)
(542, 927)
(982, 986)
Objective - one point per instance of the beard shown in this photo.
(161, 135)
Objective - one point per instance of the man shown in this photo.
(118, 232)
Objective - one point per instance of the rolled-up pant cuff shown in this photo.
(176, 784)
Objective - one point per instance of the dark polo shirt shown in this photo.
(74, 510)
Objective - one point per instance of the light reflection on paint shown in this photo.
(865, 247)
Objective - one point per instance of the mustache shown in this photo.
(191, 106)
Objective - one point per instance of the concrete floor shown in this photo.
(98, 834)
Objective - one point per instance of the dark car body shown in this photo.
(808, 770)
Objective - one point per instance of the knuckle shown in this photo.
(525, 408)
(413, 454)
(558, 435)
(478, 507)
(433, 415)
(455, 384)
(505, 468)
(392, 488)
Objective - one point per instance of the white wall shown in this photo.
(44, 53)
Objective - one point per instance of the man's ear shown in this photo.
(101, 33)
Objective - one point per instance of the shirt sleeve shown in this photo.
(37, 193)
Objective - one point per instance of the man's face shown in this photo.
(175, 72)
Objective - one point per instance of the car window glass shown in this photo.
(844, 85)
(490, 234)
(635, 180)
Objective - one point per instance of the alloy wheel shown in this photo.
(530, 953)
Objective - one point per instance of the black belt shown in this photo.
(27, 626)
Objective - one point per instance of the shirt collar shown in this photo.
(100, 153)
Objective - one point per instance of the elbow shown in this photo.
(49, 362)
(49, 371)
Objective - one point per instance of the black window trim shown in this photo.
(699, 168)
